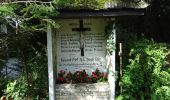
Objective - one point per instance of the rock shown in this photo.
(12, 67)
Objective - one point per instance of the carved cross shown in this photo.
(81, 29)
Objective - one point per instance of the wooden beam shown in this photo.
(51, 38)
(102, 13)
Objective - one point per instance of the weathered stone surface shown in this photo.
(96, 91)
(63, 98)
(12, 68)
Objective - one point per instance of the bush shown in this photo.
(33, 82)
(93, 4)
(146, 75)
(17, 89)
(3, 83)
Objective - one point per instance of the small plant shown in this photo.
(81, 77)
(17, 89)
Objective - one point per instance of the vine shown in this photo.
(110, 35)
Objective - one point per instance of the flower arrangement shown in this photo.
(81, 77)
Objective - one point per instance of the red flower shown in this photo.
(69, 74)
(78, 76)
(81, 77)
(94, 75)
(89, 79)
(61, 79)
(61, 71)
(85, 75)
(104, 75)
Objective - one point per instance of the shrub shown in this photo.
(93, 4)
(32, 84)
(146, 77)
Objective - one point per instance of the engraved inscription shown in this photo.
(69, 53)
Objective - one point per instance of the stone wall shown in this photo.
(96, 91)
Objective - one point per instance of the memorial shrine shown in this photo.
(85, 41)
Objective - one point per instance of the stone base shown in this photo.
(96, 91)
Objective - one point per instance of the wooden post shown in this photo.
(51, 41)
(120, 55)
(111, 76)
(120, 66)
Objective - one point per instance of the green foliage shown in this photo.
(3, 83)
(162, 93)
(17, 89)
(39, 11)
(33, 82)
(110, 46)
(144, 77)
(93, 4)
(37, 70)
(30, 17)
(6, 10)
(41, 14)
(128, 32)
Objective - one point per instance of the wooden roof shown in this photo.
(87, 13)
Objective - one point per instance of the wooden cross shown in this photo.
(81, 29)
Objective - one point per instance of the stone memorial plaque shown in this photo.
(81, 44)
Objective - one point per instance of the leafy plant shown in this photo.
(17, 89)
(162, 93)
(6, 10)
(3, 83)
(33, 82)
(92, 4)
(145, 75)
(110, 44)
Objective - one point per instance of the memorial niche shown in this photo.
(81, 58)
(81, 45)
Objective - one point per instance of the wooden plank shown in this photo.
(120, 63)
